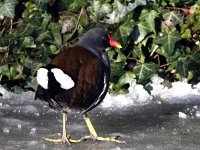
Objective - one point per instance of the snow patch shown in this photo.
(137, 96)
(6, 94)
(6, 130)
(32, 132)
(180, 92)
(198, 114)
(182, 115)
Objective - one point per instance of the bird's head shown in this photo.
(98, 39)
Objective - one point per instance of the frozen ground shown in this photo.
(166, 119)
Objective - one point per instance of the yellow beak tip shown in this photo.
(119, 46)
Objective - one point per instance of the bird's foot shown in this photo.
(113, 139)
(67, 140)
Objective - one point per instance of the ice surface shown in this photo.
(165, 119)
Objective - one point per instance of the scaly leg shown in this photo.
(64, 138)
(93, 134)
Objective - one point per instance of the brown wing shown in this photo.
(86, 71)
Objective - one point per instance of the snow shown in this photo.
(6, 130)
(198, 114)
(182, 115)
(137, 95)
(6, 94)
(180, 92)
(32, 132)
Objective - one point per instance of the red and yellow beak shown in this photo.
(113, 43)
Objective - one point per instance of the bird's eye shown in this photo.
(104, 38)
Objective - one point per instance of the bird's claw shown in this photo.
(113, 139)
(67, 140)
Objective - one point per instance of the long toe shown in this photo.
(98, 138)
(113, 139)
(60, 140)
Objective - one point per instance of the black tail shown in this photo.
(43, 95)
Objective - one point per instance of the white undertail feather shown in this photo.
(104, 88)
(42, 77)
(65, 81)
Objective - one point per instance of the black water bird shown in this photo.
(78, 78)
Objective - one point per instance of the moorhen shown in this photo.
(78, 78)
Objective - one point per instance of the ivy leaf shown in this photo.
(185, 31)
(182, 66)
(4, 70)
(56, 32)
(53, 49)
(31, 83)
(125, 80)
(28, 63)
(26, 28)
(12, 72)
(84, 19)
(145, 26)
(101, 9)
(46, 20)
(68, 21)
(75, 5)
(127, 77)
(26, 42)
(137, 53)
(195, 57)
(42, 1)
(120, 10)
(123, 10)
(171, 19)
(116, 70)
(125, 30)
(168, 41)
(42, 35)
(7, 8)
(5, 41)
(145, 71)
(186, 66)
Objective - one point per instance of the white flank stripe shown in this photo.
(42, 77)
(65, 81)
(104, 88)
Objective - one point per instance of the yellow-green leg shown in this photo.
(64, 138)
(93, 134)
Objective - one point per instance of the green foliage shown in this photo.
(145, 70)
(158, 37)
(7, 8)
(167, 42)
